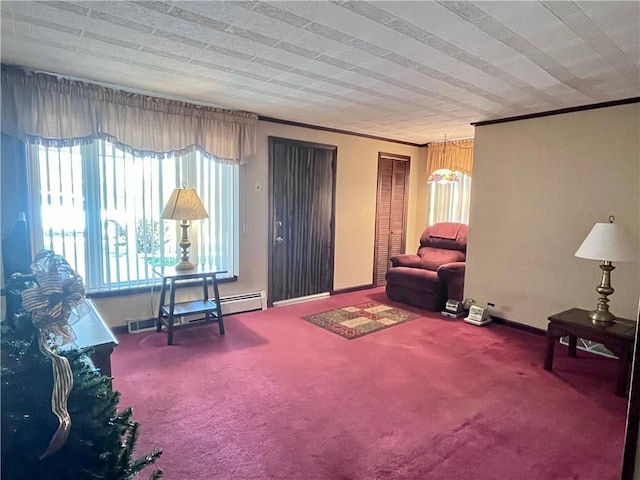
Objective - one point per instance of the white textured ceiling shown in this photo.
(411, 71)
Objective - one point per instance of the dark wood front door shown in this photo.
(391, 212)
(301, 248)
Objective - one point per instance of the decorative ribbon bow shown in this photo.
(51, 301)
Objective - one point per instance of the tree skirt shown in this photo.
(361, 319)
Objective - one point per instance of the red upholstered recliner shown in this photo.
(436, 273)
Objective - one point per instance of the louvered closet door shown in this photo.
(391, 212)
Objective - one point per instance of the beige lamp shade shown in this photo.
(184, 204)
(608, 242)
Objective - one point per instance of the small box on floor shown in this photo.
(453, 309)
(478, 316)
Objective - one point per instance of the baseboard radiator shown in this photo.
(246, 302)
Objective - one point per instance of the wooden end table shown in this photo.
(209, 308)
(618, 337)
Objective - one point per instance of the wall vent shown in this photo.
(147, 324)
(142, 325)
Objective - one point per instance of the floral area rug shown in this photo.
(361, 319)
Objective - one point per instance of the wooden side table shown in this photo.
(209, 308)
(618, 337)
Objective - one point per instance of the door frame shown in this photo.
(402, 158)
(334, 162)
(630, 450)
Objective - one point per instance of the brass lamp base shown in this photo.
(184, 266)
(184, 244)
(601, 315)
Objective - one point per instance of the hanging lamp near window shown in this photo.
(443, 175)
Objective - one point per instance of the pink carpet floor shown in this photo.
(280, 398)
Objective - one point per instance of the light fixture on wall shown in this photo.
(184, 205)
(608, 242)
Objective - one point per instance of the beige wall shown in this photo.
(539, 186)
(356, 185)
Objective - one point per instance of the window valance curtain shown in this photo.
(455, 155)
(54, 111)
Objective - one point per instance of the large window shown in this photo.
(449, 202)
(99, 207)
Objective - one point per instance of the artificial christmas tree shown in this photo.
(96, 441)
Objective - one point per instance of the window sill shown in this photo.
(155, 288)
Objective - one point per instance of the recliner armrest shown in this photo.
(452, 276)
(405, 260)
(449, 270)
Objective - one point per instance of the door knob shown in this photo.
(279, 239)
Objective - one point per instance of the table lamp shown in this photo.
(184, 205)
(608, 242)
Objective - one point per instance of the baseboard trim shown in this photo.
(519, 326)
(306, 298)
(120, 329)
(352, 289)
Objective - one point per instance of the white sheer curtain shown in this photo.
(449, 202)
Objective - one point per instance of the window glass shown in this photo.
(449, 202)
(100, 206)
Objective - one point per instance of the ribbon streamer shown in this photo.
(52, 300)
(62, 385)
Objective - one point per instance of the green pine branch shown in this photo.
(102, 440)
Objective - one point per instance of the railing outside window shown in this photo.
(99, 207)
